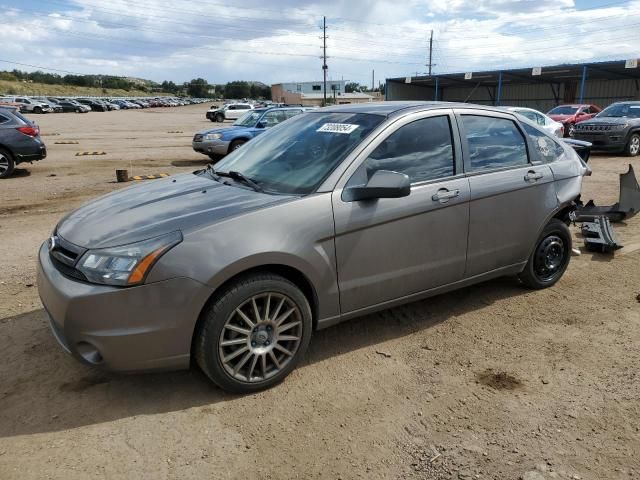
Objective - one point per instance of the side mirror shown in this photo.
(261, 125)
(383, 184)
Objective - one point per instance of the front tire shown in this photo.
(7, 164)
(571, 130)
(254, 333)
(37, 110)
(550, 257)
(633, 145)
(236, 144)
(219, 117)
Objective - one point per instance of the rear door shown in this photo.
(395, 247)
(512, 192)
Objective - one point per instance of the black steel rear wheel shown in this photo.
(550, 257)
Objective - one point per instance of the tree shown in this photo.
(237, 89)
(353, 87)
(169, 87)
(198, 87)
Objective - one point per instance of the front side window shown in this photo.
(297, 155)
(548, 149)
(423, 150)
(271, 119)
(493, 143)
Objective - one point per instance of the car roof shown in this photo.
(394, 108)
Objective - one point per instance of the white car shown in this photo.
(30, 105)
(539, 118)
(233, 111)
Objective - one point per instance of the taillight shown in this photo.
(30, 131)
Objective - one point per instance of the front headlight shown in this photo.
(619, 126)
(127, 265)
(212, 136)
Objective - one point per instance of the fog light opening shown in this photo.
(90, 353)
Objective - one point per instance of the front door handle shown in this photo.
(532, 176)
(444, 195)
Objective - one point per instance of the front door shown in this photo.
(394, 247)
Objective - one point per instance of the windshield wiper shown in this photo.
(238, 177)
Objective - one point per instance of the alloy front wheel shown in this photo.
(633, 147)
(260, 337)
(254, 333)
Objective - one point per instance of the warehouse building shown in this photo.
(542, 88)
(312, 94)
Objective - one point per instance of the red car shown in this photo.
(569, 115)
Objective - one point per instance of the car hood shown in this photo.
(158, 207)
(606, 121)
(560, 118)
(224, 130)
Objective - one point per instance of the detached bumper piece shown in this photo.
(627, 206)
(599, 236)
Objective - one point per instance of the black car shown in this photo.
(95, 105)
(73, 106)
(19, 141)
(615, 129)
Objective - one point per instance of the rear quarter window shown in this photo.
(547, 149)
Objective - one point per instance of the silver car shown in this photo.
(330, 215)
(548, 124)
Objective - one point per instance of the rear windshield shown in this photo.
(563, 110)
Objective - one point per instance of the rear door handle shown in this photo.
(444, 195)
(532, 176)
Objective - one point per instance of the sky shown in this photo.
(280, 41)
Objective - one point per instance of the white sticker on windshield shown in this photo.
(337, 128)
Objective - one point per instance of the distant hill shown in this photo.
(8, 87)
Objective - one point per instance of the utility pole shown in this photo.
(430, 52)
(373, 79)
(324, 59)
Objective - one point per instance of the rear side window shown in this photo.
(493, 143)
(3, 119)
(423, 150)
(546, 147)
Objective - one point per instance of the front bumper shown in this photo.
(605, 141)
(208, 147)
(149, 327)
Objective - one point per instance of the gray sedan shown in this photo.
(333, 214)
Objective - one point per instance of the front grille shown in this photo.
(67, 271)
(64, 256)
(197, 137)
(594, 128)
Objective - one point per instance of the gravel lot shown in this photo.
(491, 382)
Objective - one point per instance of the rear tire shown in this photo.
(7, 163)
(241, 344)
(550, 257)
(633, 145)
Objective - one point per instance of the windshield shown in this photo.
(563, 110)
(630, 110)
(249, 119)
(295, 156)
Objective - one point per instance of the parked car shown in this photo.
(221, 141)
(19, 140)
(333, 214)
(615, 129)
(546, 123)
(73, 106)
(53, 104)
(570, 115)
(231, 111)
(94, 105)
(29, 105)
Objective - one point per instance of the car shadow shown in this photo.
(42, 389)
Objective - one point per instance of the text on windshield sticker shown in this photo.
(337, 128)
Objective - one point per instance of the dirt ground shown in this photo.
(491, 382)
